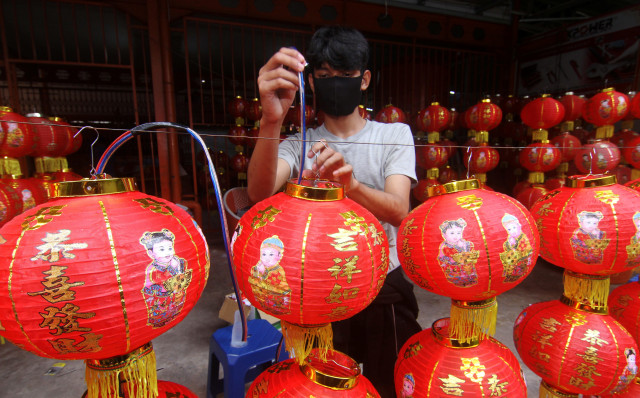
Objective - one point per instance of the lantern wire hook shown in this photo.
(92, 172)
(315, 159)
(469, 162)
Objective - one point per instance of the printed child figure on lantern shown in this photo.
(629, 372)
(516, 257)
(456, 255)
(167, 278)
(588, 241)
(633, 248)
(408, 386)
(268, 280)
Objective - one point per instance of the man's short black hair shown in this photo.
(342, 48)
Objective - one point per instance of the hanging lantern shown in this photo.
(254, 110)
(29, 191)
(166, 389)
(51, 142)
(634, 106)
(605, 109)
(567, 144)
(480, 160)
(390, 114)
(624, 303)
(293, 115)
(531, 194)
(573, 106)
(433, 119)
(431, 155)
(240, 162)
(434, 364)
(98, 272)
(337, 377)
(631, 152)
(575, 347)
(237, 108)
(482, 117)
(19, 140)
(597, 158)
(540, 157)
(451, 245)
(585, 225)
(364, 113)
(421, 190)
(10, 203)
(447, 174)
(310, 256)
(542, 114)
(238, 135)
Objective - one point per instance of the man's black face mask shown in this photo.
(338, 95)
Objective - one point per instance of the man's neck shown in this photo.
(345, 126)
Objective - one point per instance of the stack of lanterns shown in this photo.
(631, 150)
(567, 143)
(309, 256)
(540, 156)
(239, 162)
(431, 156)
(572, 343)
(481, 158)
(449, 245)
(96, 274)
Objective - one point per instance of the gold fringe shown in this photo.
(47, 164)
(567, 126)
(433, 137)
(547, 391)
(604, 132)
(472, 320)
(587, 290)
(540, 135)
(300, 340)
(10, 167)
(536, 177)
(134, 372)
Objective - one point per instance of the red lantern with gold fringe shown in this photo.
(567, 144)
(588, 225)
(391, 114)
(237, 108)
(74, 140)
(19, 140)
(421, 190)
(337, 377)
(573, 106)
(598, 157)
(433, 118)
(98, 272)
(605, 109)
(575, 347)
(481, 159)
(624, 304)
(433, 364)
(540, 157)
(431, 155)
(469, 244)
(238, 135)
(482, 117)
(254, 110)
(10, 203)
(51, 142)
(309, 256)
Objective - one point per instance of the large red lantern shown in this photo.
(19, 140)
(309, 256)
(433, 118)
(575, 348)
(434, 364)
(482, 117)
(573, 105)
(98, 272)
(586, 225)
(542, 113)
(540, 157)
(479, 160)
(597, 157)
(391, 114)
(337, 377)
(468, 243)
(605, 109)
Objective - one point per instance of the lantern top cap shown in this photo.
(455, 186)
(441, 332)
(55, 118)
(590, 181)
(315, 190)
(607, 90)
(435, 103)
(5, 109)
(486, 100)
(93, 187)
(338, 371)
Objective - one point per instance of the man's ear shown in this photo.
(366, 79)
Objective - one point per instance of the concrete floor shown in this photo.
(182, 352)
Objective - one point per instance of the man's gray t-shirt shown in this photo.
(376, 152)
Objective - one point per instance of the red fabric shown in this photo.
(576, 351)
(448, 248)
(433, 118)
(542, 113)
(428, 367)
(309, 262)
(607, 213)
(605, 108)
(76, 288)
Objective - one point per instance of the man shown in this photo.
(375, 162)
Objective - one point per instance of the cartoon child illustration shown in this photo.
(588, 241)
(28, 201)
(167, 278)
(3, 212)
(268, 280)
(408, 385)
(633, 248)
(629, 372)
(456, 255)
(516, 257)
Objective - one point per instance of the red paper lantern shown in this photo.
(254, 110)
(567, 144)
(575, 349)
(598, 157)
(481, 159)
(632, 391)
(585, 226)
(622, 173)
(631, 152)
(293, 115)
(391, 114)
(237, 107)
(30, 191)
(510, 106)
(309, 256)
(447, 174)
(337, 377)
(252, 136)
(240, 162)
(605, 109)
(421, 190)
(19, 140)
(624, 303)
(431, 155)
(482, 117)
(531, 195)
(467, 243)
(433, 118)
(542, 113)
(74, 140)
(238, 135)
(573, 106)
(540, 157)
(553, 183)
(432, 364)
(166, 389)
(364, 113)
(10, 203)
(51, 142)
(148, 264)
(634, 106)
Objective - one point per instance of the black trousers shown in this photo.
(375, 335)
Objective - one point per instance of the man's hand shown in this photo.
(330, 165)
(278, 83)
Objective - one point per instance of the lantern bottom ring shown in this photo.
(119, 361)
(591, 308)
(344, 381)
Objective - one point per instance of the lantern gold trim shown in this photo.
(315, 190)
(548, 391)
(591, 181)
(87, 187)
(441, 333)
(456, 186)
(331, 381)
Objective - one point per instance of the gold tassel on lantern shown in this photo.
(590, 292)
(135, 372)
(47, 164)
(10, 166)
(300, 340)
(547, 391)
(471, 320)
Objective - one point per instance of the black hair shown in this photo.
(342, 48)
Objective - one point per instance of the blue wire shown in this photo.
(303, 127)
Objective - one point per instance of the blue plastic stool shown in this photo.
(241, 365)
